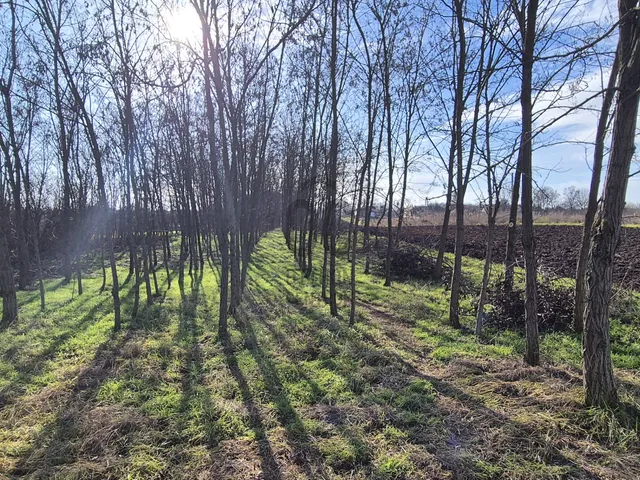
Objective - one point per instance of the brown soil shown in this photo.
(557, 248)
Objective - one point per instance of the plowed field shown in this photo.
(557, 247)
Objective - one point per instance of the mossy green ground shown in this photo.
(297, 393)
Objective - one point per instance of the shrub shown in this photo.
(555, 308)
(411, 261)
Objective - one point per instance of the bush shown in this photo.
(411, 261)
(555, 308)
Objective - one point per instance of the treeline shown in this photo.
(115, 137)
(470, 89)
(119, 134)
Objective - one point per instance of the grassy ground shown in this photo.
(296, 393)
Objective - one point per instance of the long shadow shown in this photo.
(151, 317)
(627, 414)
(480, 410)
(333, 415)
(57, 443)
(36, 294)
(261, 317)
(392, 335)
(297, 436)
(444, 388)
(268, 276)
(32, 367)
(296, 433)
(73, 328)
(22, 327)
(269, 465)
(190, 332)
(320, 321)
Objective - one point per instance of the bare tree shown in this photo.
(372, 106)
(7, 283)
(545, 198)
(592, 200)
(526, 17)
(598, 371)
(575, 198)
(12, 145)
(50, 18)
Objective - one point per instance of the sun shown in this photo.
(183, 24)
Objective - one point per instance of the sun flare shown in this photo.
(183, 24)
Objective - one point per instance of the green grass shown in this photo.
(295, 393)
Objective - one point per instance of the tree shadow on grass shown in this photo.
(269, 465)
(35, 294)
(148, 318)
(305, 454)
(64, 441)
(262, 317)
(154, 316)
(191, 332)
(194, 396)
(522, 437)
(33, 366)
(84, 434)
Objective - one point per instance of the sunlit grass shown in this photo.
(293, 392)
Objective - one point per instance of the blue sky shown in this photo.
(557, 166)
(567, 162)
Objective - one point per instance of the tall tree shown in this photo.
(600, 388)
(13, 143)
(526, 17)
(332, 171)
(592, 206)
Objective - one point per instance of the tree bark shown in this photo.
(512, 230)
(592, 207)
(333, 161)
(442, 246)
(600, 388)
(528, 25)
(7, 284)
(485, 275)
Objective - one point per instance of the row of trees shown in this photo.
(487, 124)
(116, 135)
(572, 199)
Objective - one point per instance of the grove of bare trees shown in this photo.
(126, 140)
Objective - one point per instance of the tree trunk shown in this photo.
(592, 207)
(115, 288)
(7, 284)
(493, 199)
(371, 193)
(79, 274)
(485, 275)
(442, 246)
(454, 301)
(333, 161)
(598, 371)
(532, 355)
(512, 230)
(387, 263)
(104, 270)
